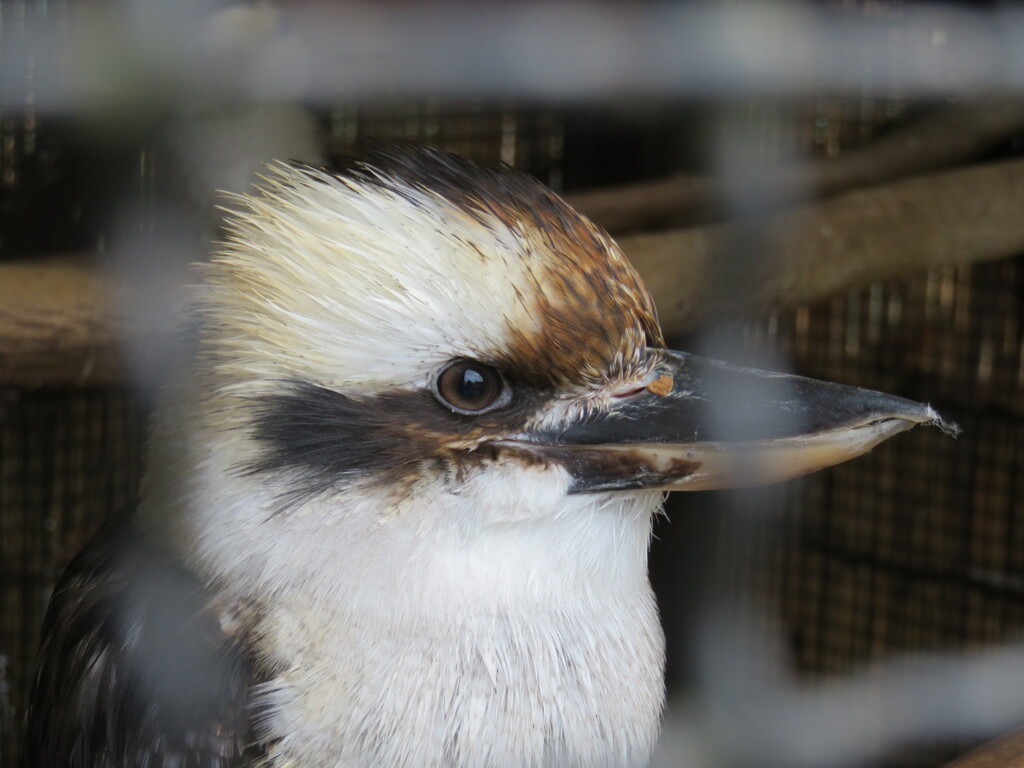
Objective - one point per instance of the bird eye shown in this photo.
(469, 387)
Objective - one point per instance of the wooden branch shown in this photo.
(675, 201)
(940, 139)
(943, 138)
(794, 258)
(1005, 752)
(59, 327)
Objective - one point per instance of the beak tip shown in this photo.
(949, 427)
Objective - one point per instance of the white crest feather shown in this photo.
(376, 288)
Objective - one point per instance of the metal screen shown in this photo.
(918, 546)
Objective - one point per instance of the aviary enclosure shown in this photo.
(831, 188)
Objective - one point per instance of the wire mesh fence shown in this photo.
(912, 549)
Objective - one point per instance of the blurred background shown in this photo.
(834, 188)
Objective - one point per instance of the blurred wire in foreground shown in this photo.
(575, 51)
(752, 710)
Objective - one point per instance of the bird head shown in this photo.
(427, 334)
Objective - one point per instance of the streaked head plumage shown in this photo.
(375, 276)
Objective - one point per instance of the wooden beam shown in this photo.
(780, 262)
(945, 137)
(1005, 752)
(60, 324)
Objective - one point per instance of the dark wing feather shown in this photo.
(136, 667)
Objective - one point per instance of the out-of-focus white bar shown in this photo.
(569, 51)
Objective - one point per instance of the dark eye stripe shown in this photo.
(326, 437)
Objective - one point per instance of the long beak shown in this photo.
(702, 424)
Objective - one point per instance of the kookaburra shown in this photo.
(397, 509)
